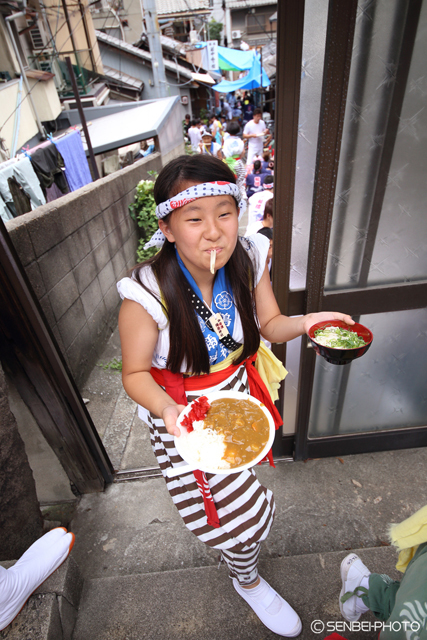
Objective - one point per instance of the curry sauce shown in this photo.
(244, 426)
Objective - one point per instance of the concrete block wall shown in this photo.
(74, 250)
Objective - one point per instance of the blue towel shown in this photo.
(76, 167)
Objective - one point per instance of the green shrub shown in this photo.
(115, 364)
(142, 211)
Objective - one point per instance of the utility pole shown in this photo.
(153, 34)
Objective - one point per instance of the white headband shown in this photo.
(189, 195)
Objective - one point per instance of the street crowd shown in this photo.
(240, 135)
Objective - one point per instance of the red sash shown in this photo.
(175, 385)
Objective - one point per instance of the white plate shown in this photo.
(219, 395)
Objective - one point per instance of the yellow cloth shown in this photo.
(227, 362)
(408, 535)
(270, 369)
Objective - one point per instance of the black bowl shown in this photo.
(341, 356)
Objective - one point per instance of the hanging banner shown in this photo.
(212, 55)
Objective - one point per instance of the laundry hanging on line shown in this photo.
(22, 171)
(76, 166)
(42, 174)
(49, 166)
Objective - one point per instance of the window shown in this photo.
(255, 23)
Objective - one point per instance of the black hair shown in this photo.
(197, 169)
(187, 115)
(257, 111)
(268, 179)
(193, 123)
(267, 232)
(257, 165)
(268, 208)
(187, 343)
(233, 128)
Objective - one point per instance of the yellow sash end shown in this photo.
(270, 369)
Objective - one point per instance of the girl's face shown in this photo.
(199, 227)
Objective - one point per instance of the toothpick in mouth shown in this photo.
(213, 258)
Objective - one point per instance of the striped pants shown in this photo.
(245, 508)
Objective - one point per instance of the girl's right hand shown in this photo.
(170, 415)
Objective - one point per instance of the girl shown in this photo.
(208, 145)
(166, 335)
(232, 151)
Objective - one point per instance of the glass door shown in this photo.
(359, 228)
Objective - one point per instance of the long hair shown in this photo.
(187, 344)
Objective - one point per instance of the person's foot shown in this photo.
(355, 578)
(37, 563)
(271, 609)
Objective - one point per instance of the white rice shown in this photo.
(204, 446)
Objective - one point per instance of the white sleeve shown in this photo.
(246, 130)
(131, 290)
(257, 247)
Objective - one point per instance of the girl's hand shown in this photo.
(170, 415)
(312, 318)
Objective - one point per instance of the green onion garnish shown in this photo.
(338, 338)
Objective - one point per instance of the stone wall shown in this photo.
(20, 518)
(74, 250)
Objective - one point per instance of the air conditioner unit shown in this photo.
(194, 37)
(46, 61)
(236, 35)
(37, 38)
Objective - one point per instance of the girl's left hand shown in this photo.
(312, 318)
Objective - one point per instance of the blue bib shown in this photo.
(223, 303)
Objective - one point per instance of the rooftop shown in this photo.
(243, 4)
(140, 53)
(167, 7)
(141, 122)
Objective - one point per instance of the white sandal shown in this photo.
(285, 622)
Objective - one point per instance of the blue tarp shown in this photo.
(251, 81)
(235, 60)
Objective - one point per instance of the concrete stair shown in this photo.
(147, 577)
(201, 603)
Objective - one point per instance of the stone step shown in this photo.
(201, 603)
(51, 612)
